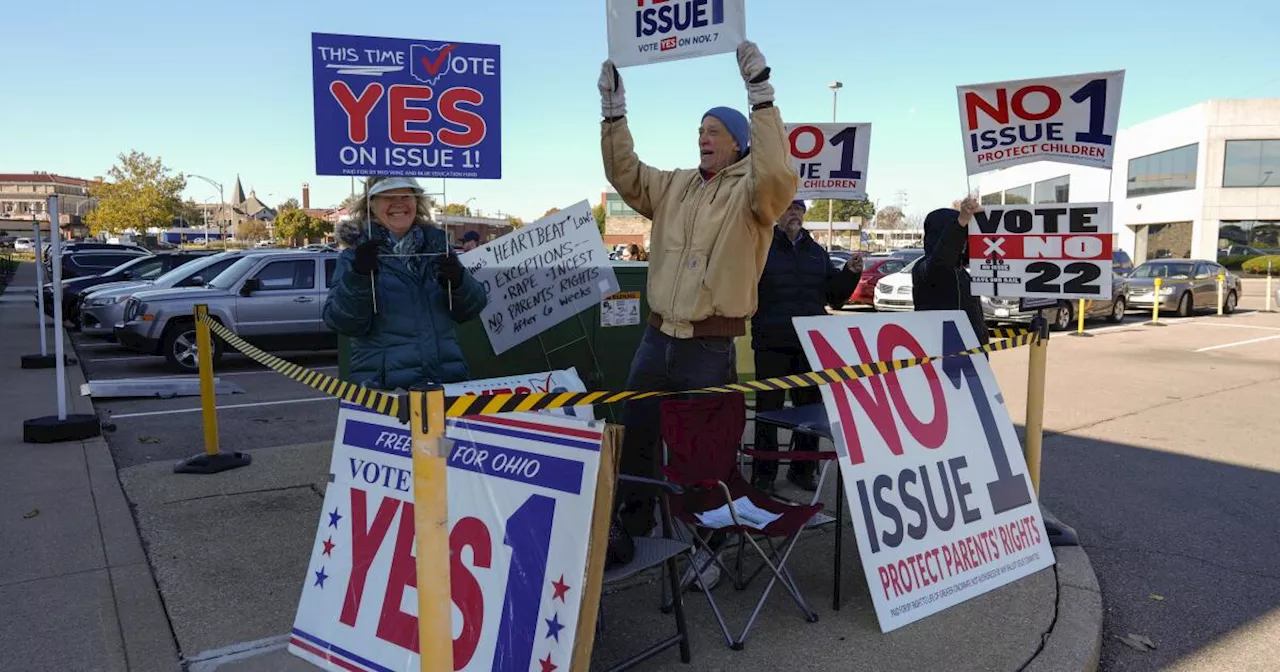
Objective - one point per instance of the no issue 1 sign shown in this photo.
(831, 159)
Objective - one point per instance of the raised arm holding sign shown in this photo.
(712, 227)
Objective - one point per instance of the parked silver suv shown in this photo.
(272, 300)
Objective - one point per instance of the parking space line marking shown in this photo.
(1237, 326)
(1232, 345)
(123, 359)
(216, 374)
(222, 408)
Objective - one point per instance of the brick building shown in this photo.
(622, 225)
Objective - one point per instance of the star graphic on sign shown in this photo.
(328, 547)
(560, 587)
(334, 518)
(553, 627)
(546, 664)
(320, 577)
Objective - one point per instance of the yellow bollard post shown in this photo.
(431, 528)
(1034, 425)
(1081, 307)
(1155, 305)
(212, 460)
(1220, 279)
(1268, 285)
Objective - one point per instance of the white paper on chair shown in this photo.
(749, 514)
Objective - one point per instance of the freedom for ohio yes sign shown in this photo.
(1069, 119)
(420, 108)
(521, 489)
(941, 501)
(1051, 250)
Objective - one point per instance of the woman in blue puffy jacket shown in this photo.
(399, 291)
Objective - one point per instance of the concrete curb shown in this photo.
(1075, 640)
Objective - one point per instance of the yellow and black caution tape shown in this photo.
(389, 404)
(378, 402)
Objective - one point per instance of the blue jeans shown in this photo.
(663, 363)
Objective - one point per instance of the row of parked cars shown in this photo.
(1187, 285)
(270, 297)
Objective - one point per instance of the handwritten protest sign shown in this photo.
(1049, 251)
(652, 31)
(942, 506)
(1069, 119)
(540, 275)
(522, 491)
(425, 108)
(831, 159)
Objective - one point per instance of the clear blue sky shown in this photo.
(220, 88)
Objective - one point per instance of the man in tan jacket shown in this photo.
(712, 228)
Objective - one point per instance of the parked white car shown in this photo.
(23, 245)
(893, 291)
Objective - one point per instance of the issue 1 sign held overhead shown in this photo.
(831, 159)
(653, 31)
(1070, 119)
(417, 108)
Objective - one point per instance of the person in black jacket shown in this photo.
(798, 280)
(940, 279)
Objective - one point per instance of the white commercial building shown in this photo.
(1184, 185)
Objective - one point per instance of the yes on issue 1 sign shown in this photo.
(521, 489)
(541, 275)
(937, 485)
(1049, 251)
(1069, 119)
(652, 31)
(420, 108)
(831, 159)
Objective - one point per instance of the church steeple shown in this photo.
(237, 194)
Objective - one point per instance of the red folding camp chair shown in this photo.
(702, 437)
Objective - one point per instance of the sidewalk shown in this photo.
(76, 587)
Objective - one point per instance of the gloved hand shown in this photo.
(366, 261)
(449, 270)
(613, 96)
(968, 208)
(755, 73)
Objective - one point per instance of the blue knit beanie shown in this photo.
(737, 124)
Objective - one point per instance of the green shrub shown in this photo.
(1258, 265)
(1233, 262)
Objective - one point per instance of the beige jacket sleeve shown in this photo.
(773, 181)
(641, 186)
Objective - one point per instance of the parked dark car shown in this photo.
(89, 264)
(143, 267)
(68, 247)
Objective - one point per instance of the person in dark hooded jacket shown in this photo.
(397, 259)
(940, 279)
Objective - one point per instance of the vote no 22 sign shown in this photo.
(521, 492)
(1053, 251)
(831, 159)
(937, 485)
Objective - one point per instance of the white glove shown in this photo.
(755, 73)
(968, 208)
(613, 96)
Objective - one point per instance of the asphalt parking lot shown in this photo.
(272, 411)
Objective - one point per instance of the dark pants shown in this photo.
(774, 365)
(663, 363)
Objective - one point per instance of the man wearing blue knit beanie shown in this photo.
(712, 228)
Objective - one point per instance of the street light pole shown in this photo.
(831, 207)
(222, 199)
